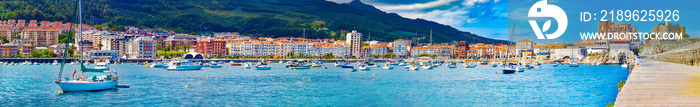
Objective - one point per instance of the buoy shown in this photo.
(207, 76)
(173, 71)
(59, 92)
(372, 74)
(185, 86)
(274, 73)
(309, 79)
(496, 72)
(33, 75)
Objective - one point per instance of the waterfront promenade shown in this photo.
(655, 83)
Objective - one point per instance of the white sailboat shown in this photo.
(101, 81)
(509, 69)
(573, 62)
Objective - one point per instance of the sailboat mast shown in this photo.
(508, 48)
(80, 25)
(431, 36)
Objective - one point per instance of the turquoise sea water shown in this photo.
(25, 85)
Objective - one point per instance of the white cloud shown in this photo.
(414, 6)
(470, 3)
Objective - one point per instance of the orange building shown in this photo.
(211, 47)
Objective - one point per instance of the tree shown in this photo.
(187, 47)
(159, 47)
(167, 48)
(99, 46)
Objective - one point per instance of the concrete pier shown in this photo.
(655, 83)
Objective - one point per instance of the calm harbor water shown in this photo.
(25, 85)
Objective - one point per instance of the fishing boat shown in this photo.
(179, 65)
(387, 66)
(624, 65)
(54, 62)
(236, 64)
(102, 80)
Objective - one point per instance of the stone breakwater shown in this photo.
(688, 54)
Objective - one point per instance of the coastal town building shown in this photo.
(211, 47)
(354, 38)
(142, 47)
(461, 49)
(41, 37)
(8, 50)
(7, 33)
(524, 48)
(401, 48)
(85, 46)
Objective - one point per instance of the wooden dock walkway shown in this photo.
(655, 83)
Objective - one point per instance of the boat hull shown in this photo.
(387, 68)
(510, 71)
(86, 86)
(182, 68)
(263, 68)
(347, 66)
(301, 67)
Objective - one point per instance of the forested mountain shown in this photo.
(263, 18)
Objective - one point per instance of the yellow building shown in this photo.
(41, 37)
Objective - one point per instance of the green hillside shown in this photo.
(263, 18)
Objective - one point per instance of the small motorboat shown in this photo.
(387, 66)
(347, 66)
(573, 64)
(365, 67)
(340, 64)
(236, 64)
(214, 65)
(413, 68)
(452, 65)
(402, 64)
(179, 65)
(316, 64)
(625, 66)
(247, 65)
(262, 67)
(54, 62)
(509, 69)
(469, 65)
(427, 67)
(521, 69)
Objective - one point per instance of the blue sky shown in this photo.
(487, 18)
(518, 11)
(494, 18)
